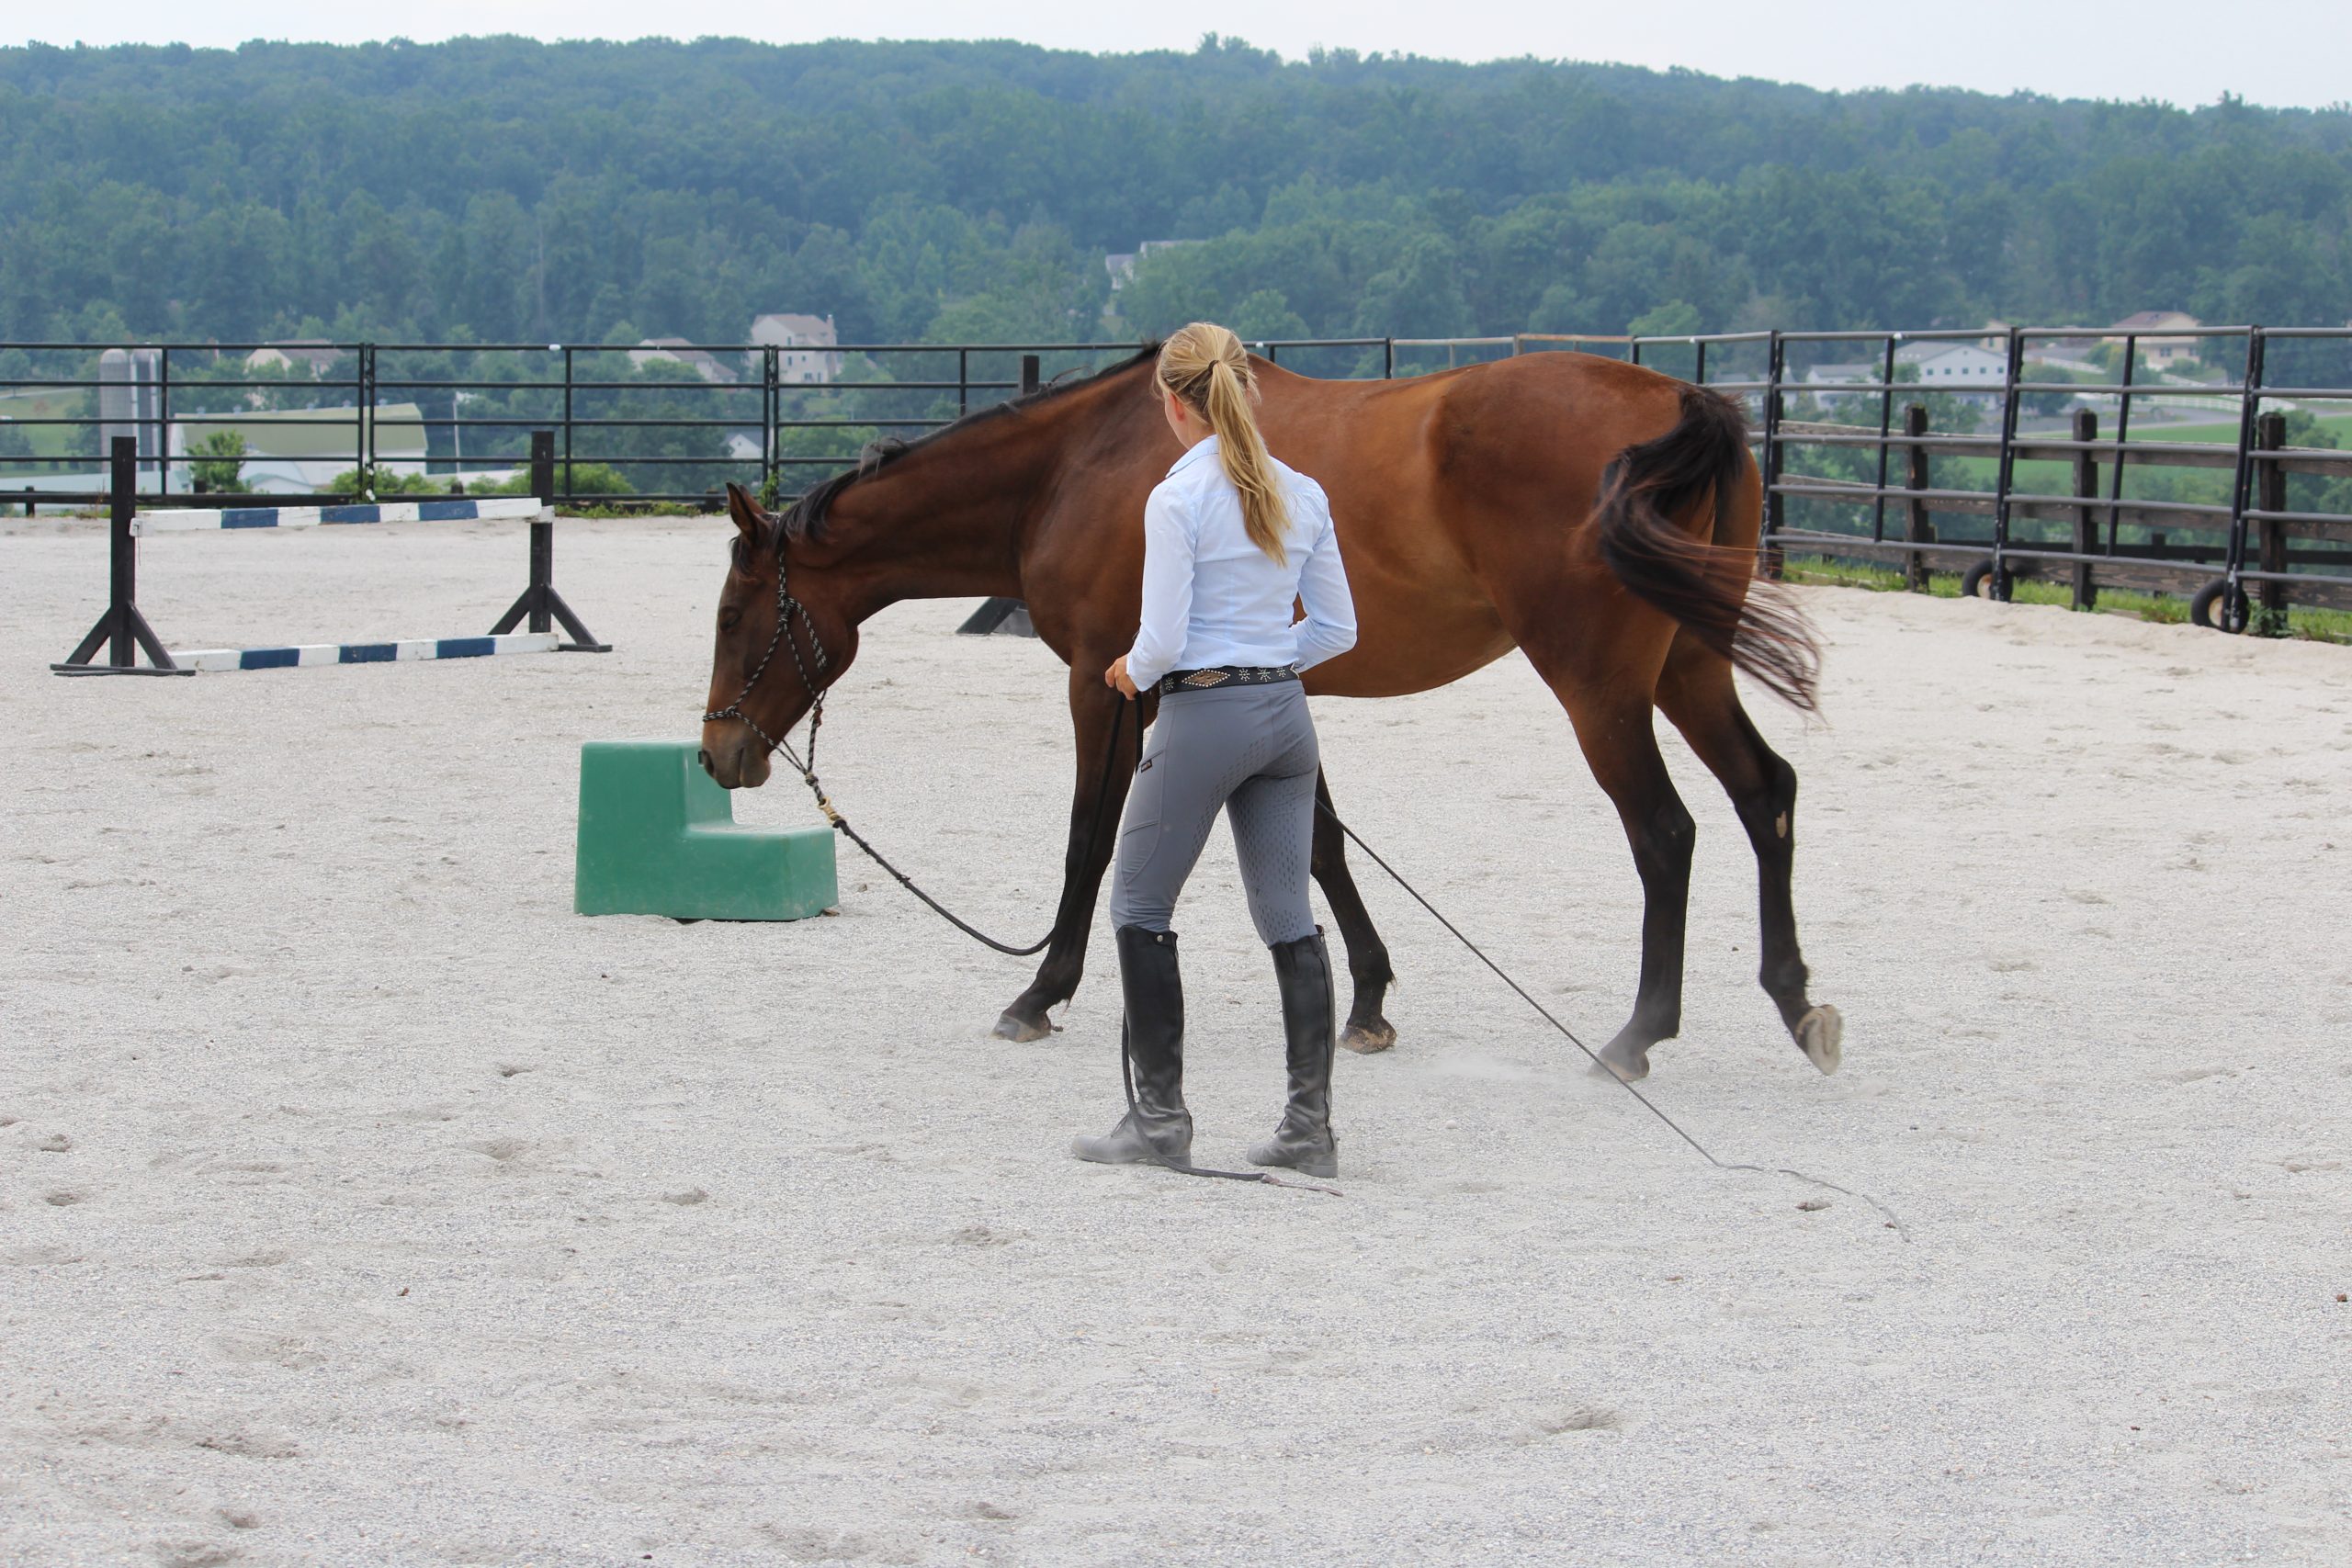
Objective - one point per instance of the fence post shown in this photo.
(2004, 479)
(1031, 376)
(2085, 521)
(1885, 423)
(2122, 437)
(549, 496)
(772, 432)
(2270, 489)
(1768, 552)
(1917, 527)
(2233, 614)
(163, 443)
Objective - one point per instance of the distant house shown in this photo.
(313, 354)
(1951, 364)
(1121, 264)
(744, 447)
(297, 451)
(674, 350)
(2159, 352)
(803, 340)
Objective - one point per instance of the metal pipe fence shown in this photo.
(650, 423)
(2238, 517)
(1930, 450)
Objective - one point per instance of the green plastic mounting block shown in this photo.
(658, 837)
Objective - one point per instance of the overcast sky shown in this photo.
(2185, 51)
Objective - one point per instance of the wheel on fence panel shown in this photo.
(2216, 608)
(1977, 581)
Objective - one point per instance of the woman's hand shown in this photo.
(1116, 676)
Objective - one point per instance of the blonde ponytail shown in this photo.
(1203, 365)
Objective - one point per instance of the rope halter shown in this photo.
(786, 606)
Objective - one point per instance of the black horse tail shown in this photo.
(1711, 590)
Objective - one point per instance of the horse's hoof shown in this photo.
(1821, 1035)
(1622, 1066)
(1366, 1042)
(1020, 1029)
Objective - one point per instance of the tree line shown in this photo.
(503, 190)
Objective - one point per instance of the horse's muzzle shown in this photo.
(733, 756)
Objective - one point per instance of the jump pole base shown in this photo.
(113, 670)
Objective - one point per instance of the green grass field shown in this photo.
(50, 441)
(2226, 432)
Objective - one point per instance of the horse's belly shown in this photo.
(1398, 665)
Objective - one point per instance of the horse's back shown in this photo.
(1462, 496)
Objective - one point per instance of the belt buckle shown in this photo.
(1207, 677)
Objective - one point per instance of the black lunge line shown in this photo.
(1704, 1154)
(807, 770)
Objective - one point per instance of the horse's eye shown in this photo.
(729, 617)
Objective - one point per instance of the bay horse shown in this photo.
(1598, 515)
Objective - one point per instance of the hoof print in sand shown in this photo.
(983, 1236)
(1567, 1422)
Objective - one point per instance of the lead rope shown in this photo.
(786, 606)
(841, 826)
(1886, 1213)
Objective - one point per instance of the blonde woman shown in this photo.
(1232, 538)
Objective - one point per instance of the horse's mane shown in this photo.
(805, 518)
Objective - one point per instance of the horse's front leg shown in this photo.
(1093, 834)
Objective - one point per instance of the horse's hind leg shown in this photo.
(1696, 692)
(1366, 1030)
(1607, 700)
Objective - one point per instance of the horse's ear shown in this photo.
(747, 514)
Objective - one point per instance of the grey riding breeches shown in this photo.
(1251, 751)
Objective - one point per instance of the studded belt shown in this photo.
(1224, 675)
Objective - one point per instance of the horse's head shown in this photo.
(782, 639)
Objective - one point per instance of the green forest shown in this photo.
(503, 190)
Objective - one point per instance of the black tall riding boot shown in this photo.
(1159, 1127)
(1304, 1141)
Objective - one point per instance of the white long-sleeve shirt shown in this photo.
(1210, 596)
